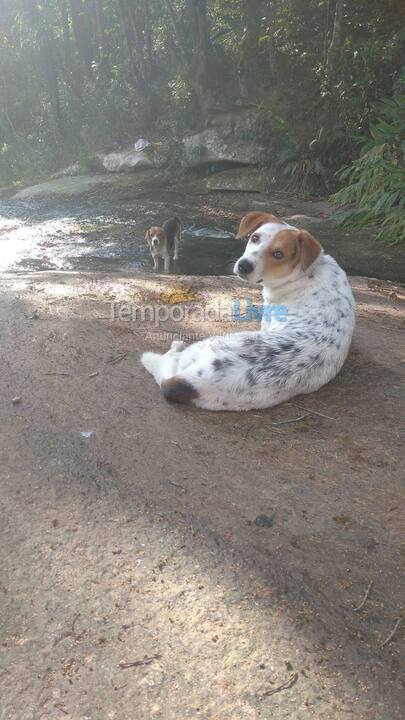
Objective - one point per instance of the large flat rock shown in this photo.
(75, 186)
(231, 138)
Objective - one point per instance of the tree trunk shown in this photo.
(139, 46)
(201, 77)
(179, 36)
(336, 41)
(249, 49)
(67, 45)
(129, 34)
(81, 32)
(148, 36)
(47, 58)
(100, 37)
(67, 69)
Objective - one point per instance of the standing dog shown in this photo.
(260, 369)
(162, 241)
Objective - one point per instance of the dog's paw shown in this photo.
(177, 345)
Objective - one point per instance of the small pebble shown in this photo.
(265, 520)
(16, 400)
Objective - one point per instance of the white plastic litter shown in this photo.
(141, 144)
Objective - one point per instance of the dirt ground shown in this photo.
(166, 562)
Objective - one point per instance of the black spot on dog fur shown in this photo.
(221, 363)
(179, 390)
(251, 378)
(249, 341)
(317, 361)
(287, 346)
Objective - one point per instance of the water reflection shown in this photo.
(31, 240)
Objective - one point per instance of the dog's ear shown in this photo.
(310, 248)
(252, 221)
(147, 236)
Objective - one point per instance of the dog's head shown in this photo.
(155, 237)
(275, 250)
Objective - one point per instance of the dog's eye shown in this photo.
(254, 238)
(278, 254)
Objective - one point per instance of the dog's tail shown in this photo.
(152, 362)
(174, 387)
(179, 390)
(162, 367)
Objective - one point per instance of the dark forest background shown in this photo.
(327, 77)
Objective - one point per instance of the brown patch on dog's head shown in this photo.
(155, 232)
(289, 248)
(252, 221)
(310, 249)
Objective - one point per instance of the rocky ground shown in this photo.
(161, 561)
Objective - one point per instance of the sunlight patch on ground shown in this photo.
(178, 295)
(42, 244)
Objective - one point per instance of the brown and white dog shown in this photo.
(163, 240)
(290, 355)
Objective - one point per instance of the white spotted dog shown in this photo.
(163, 241)
(249, 370)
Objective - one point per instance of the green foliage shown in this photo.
(305, 166)
(375, 182)
(309, 167)
(79, 75)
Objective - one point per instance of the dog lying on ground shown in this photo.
(250, 370)
(162, 241)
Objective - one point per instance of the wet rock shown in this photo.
(7, 192)
(123, 183)
(230, 138)
(127, 160)
(69, 171)
(245, 179)
(69, 186)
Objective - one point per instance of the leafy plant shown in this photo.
(305, 173)
(308, 167)
(375, 182)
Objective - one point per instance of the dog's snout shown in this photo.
(245, 267)
(155, 242)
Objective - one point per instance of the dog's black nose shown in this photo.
(245, 267)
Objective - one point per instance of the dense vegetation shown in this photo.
(77, 75)
(375, 182)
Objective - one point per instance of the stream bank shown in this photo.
(98, 222)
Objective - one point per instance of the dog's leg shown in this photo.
(176, 346)
(167, 263)
(176, 246)
(163, 366)
(155, 262)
